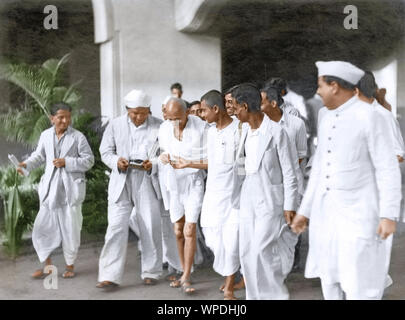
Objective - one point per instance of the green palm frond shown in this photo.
(23, 126)
(31, 81)
(53, 66)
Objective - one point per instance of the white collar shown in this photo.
(143, 125)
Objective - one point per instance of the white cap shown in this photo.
(137, 98)
(340, 69)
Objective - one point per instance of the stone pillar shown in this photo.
(107, 36)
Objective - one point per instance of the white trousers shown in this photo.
(140, 195)
(260, 249)
(335, 292)
(55, 226)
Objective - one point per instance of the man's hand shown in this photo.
(164, 158)
(147, 165)
(400, 159)
(386, 228)
(299, 224)
(59, 162)
(289, 216)
(122, 164)
(23, 165)
(179, 163)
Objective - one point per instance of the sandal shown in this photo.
(39, 275)
(187, 288)
(149, 281)
(106, 285)
(68, 274)
(175, 284)
(171, 277)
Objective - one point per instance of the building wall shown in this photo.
(153, 54)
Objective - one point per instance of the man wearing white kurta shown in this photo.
(183, 146)
(269, 189)
(67, 156)
(353, 195)
(219, 219)
(366, 90)
(130, 137)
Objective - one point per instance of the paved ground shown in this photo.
(15, 282)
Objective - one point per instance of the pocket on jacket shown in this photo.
(80, 187)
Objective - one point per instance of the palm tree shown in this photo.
(42, 87)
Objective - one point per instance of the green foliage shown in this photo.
(42, 87)
(20, 203)
(94, 208)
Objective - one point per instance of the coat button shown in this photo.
(329, 138)
(328, 164)
(334, 127)
(327, 177)
(327, 189)
(337, 115)
(329, 151)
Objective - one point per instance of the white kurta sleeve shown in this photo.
(301, 141)
(387, 173)
(399, 146)
(309, 195)
(287, 168)
(38, 157)
(84, 161)
(108, 149)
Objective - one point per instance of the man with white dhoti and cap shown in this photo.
(219, 219)
(129, 148)
(183, 147)
(354, 191)
(67, 156)
(265, 189)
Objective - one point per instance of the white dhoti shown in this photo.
(187, 196)
(56, 225)
(265, 257)
(223, 242)
(220, 223)
(139, 193)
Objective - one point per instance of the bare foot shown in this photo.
(222, 288)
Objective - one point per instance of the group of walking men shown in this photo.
(239, 170)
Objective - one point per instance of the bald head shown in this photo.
(176, 103)
(176, 110)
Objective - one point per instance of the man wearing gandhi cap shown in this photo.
(128, 148)
(354, 191)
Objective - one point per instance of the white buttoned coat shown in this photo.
(355, 181)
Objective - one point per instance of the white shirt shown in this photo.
(139, 140)
(395, 131)
(252, 146)
(222, 146)
(295, 128)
